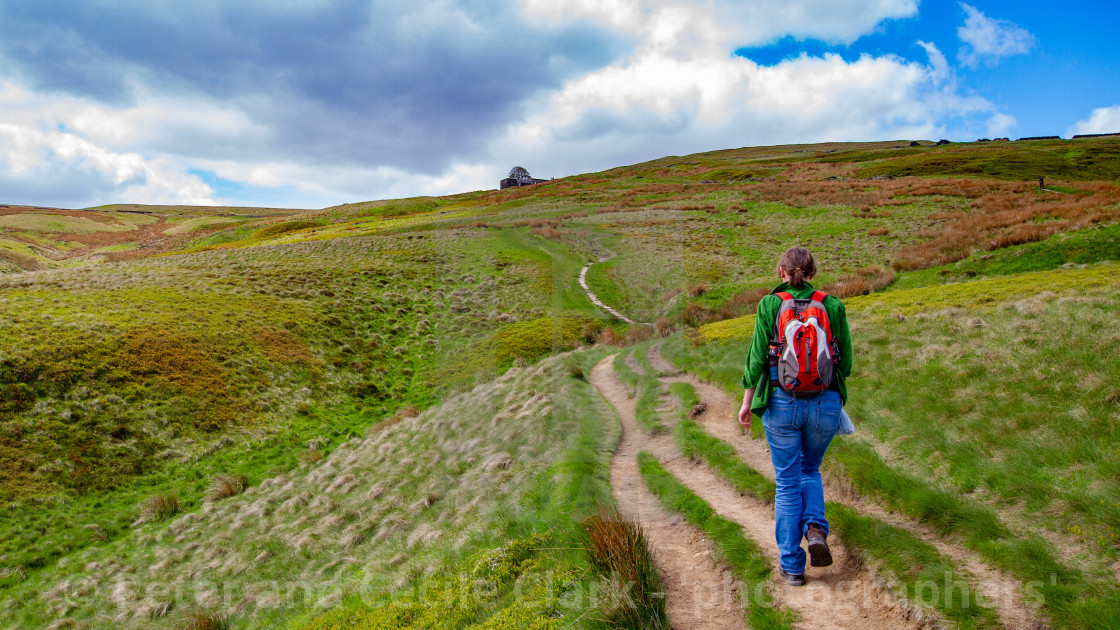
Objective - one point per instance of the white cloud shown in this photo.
(673, 88)
(675, 100)
(1101, 120)
(987, 40)
(50, 156)
(750, 22)
(999, 124)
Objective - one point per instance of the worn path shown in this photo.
(842, 596)
(720, 419)
(699, 593)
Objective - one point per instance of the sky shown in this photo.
(313, 103)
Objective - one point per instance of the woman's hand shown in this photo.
(745, 410)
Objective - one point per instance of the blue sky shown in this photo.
(303, 103)
(1071, 66)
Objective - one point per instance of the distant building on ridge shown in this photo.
(518, 176)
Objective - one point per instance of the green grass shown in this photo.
(921, 574)
(744, 556)
(1028, 434)
(697, 443)
(1070, 160)
(647, 388)
(162, 372)
(122, 383)
(368, 502)
(1072, 599)
(1024, 438)
(43, 222)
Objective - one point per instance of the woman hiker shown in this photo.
(800, 402)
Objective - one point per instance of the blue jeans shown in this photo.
(799, 431)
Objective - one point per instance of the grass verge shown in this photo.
(648, 390)
(921, 573)
(744, 556)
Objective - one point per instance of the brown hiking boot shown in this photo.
(791, 579)
(819, 553)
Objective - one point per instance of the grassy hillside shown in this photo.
(149, 353)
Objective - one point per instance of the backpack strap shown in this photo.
(819, 296)
(783, 296)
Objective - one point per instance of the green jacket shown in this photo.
(756, 374)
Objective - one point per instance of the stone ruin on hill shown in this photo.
(518, 176)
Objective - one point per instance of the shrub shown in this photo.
(696, 315)
(608, 337)
(741, 303)
(638, 333)
(546, 232)
(157, 508)
(226, 486)
(696, 290)
(862, 282)
(620, 553)
(203, 621)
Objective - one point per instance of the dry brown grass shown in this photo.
(548, 232)
(696, 290)
(202, 621)
(741, 303)
(609, 337)
(1006, 215)
(664, 326)
(620, 553)
(639, 333)
(862, 282)
(225, 486)
(157, 508)
(696, 315)
(879, 231)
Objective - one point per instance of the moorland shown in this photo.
(409, 413)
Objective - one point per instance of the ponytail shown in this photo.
(798, 264)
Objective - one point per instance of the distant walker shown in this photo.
(518, 176)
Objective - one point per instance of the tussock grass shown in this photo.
(620, 553)
(863, 281)
(225, 486)
(1078, 247)
(203, 621)
(378, 514)
(157, 508)
(744, 556)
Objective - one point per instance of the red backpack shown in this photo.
(803, 352)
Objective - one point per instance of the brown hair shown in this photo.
(798, 264)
